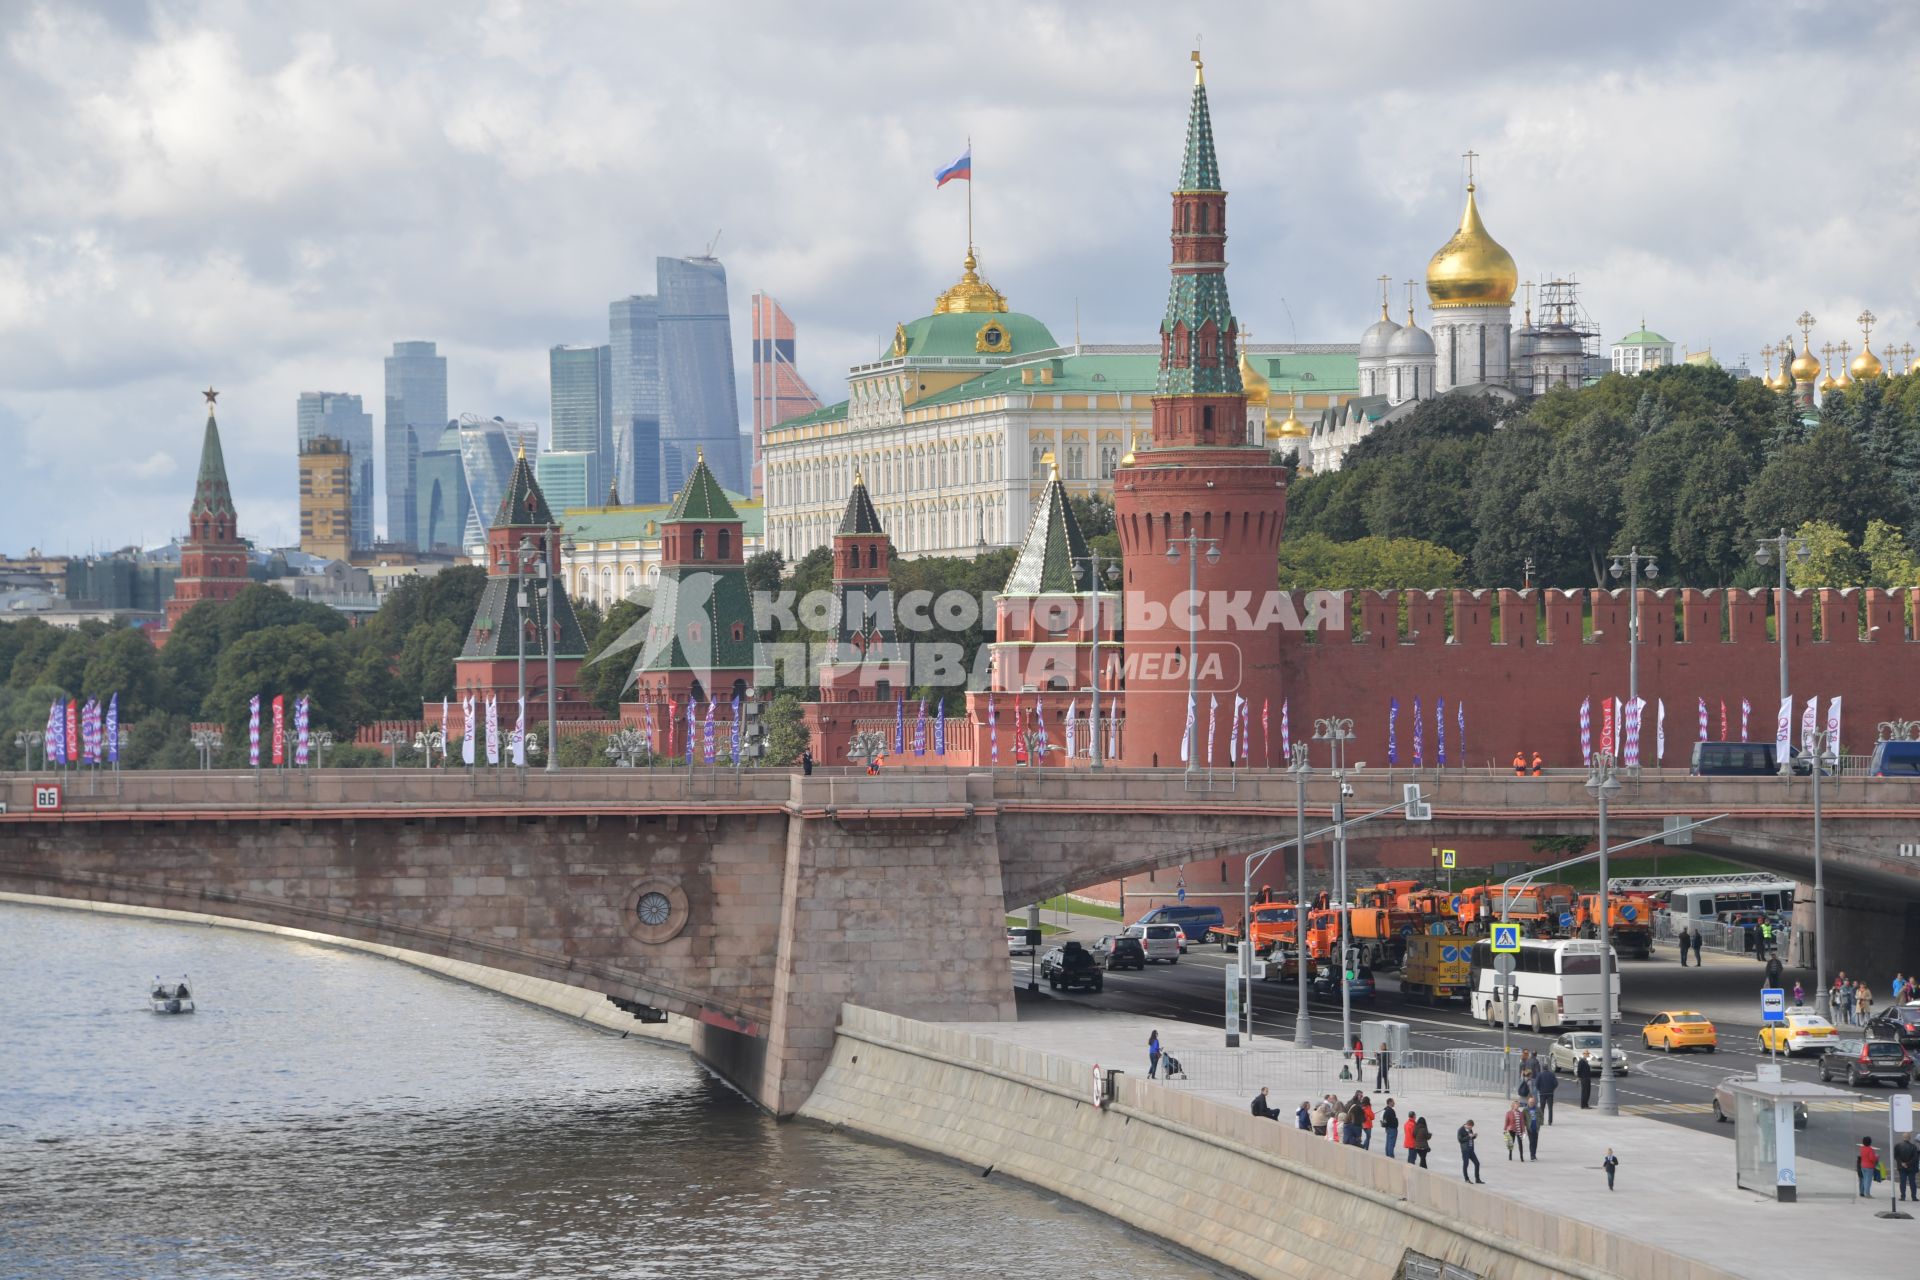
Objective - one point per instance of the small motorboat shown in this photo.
(171, 997)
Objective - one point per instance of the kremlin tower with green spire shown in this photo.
(213, 559)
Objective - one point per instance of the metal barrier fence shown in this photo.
(1422, 1072)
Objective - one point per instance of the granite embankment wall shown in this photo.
(573, 1002)
(1250, 1194)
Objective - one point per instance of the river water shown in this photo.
(331, 1114)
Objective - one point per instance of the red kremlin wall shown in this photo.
(1521, 662)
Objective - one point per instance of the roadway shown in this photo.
(1675, 1089)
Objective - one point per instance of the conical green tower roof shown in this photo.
(860, 518)
(1053, 559)
(523, 503)
(1199, 171)
(702, 498)
(211, 495)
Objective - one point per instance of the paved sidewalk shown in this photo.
(1675, 1187)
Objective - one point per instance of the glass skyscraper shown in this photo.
(566, 480)
(442, 499)
(337, 414)
(580, 385)
(416, 413)
(699, 406)
(487, 450)
(633, 331)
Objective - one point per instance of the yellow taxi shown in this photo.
(1802, 1032)
(1680, 1029)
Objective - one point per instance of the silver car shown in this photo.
(1564, 1056)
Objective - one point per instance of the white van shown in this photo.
(1159, 941)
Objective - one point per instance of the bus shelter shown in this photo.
(1767, 1115)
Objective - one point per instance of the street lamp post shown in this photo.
(430, 741)
(625, 745)
(392, 739)
(1768, 551)
(1092, 561)
(1822, 743)
(27, 740)
(322, 739)
(1602, 783)
(1336, 732)
(1193, 542)
(1634, 558)
(207, 742)
(1302, 769)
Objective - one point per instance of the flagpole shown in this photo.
(969, 193)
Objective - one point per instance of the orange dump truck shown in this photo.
(1368, 927)
(1629, 922)
(1274, 924)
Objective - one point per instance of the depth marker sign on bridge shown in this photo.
(1506, 939)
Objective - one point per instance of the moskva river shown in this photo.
(332, 1114)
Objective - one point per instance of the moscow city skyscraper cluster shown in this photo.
(629, 417)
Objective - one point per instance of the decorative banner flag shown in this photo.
(1746, 712)
(1233, 729)
(1186, 735)
(466, 738)
(446, 729)
(303, 737)
(1113, 737)
(520, 733)
(1586, 730)
(1440, 731)
(1606, 726)
(1419, 752)
(1723, 720)
(900, 726)
(56, 739)
(493, 729)
(1246, 716)
(647, 725)
(1286, 740)
(920, 730)
(1040, 718)
(1833, 729)
(733, 744)
(993, 729)
(72, 735)
(1266, 734)
(1783, 729)
(673, 725)
(706, 746)
(940, 731)
(1393, 732)
(1808, 720)
(1634, 709)
(89, 752)
(1072, 730)
(1019, 732)
(1460, 723)
(253, 732)
(1213, 717)
(1660, 731)
(1703, 719)
(113, 729)
(279, 730)
(693, 728)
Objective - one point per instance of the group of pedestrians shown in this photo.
(1688, 940)
(1852, 1002)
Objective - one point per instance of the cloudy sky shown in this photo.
(266, 196)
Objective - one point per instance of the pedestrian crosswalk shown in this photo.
(1828, 1106)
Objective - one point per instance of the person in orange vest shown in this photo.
(1538, 768)
(1519, 765)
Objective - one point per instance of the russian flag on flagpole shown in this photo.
(961, 168)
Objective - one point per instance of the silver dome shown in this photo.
(1373, 343)
(1411, 341)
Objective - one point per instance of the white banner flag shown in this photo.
(466, 741)
(1073, 729)
(1233, 730)
(1186, 736)
(1833, 729)
(1783, 730)
(1213, 719)
(1808, 720)
(1660, 731)
(520, 736)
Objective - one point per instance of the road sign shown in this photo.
(1447, 859)
(1629, 913)
(1566, 919)
(46, 797)
(1773, 1005)
(1417, 810)
(1506, 939)
(1503, 964)
(1182, 894)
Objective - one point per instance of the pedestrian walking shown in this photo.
(1611, 1163)
(1846, 1003)
(1382, 1068)
(1422, 1140)
(1696, 946)
(1533, 1132)
(1359, 1057)
(1512, 1127)
(1799, 995)
(1544, 1086)
(1468, 1157)
(1390, 1126)
(1584, 1070)
(1684, 941)
(1906, 1164)
(1774, 971)
(1899, 985)
(1867, 1162)
(1366, 1124)
(1153, 1054)
(1862, 1004)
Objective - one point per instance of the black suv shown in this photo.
(1901, 1022)
(1861, 1061)
(1121, 952)
(1071, 965)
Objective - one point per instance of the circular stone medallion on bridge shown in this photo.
(657, 910)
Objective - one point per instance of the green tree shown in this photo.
(1831, 560)
(610, 658)
(452, 595)
(1829, 477)
(288, 661)
(425, 668)
(764, 572)
(1093, 513)
(1313, 562)
(188, 663)
(1509, 512)
(125, 663)
(1583, 487)
(161, 740)
(259, 607)
(589, 615)
(1890, 562)
(786, 729)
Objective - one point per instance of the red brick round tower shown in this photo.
(1205, 482)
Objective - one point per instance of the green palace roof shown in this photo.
(961, 335)
(631, 524)
(1643, 338)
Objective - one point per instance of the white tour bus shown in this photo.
(1556, 984)
(1711, 901)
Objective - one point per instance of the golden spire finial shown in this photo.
(520, 451)
(1199, 67)
(1866, 320)
(1806, 323)
(1053, 467)
(1528, 286)
(1386, 283)
(1410, 288)
(857, 480)
(699, 453)
(1470, 157)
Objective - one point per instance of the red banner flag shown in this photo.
(1606, 726)
(73, 730)
(279, 730)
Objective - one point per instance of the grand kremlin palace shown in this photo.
(949, 429)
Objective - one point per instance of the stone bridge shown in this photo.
(757, 902)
